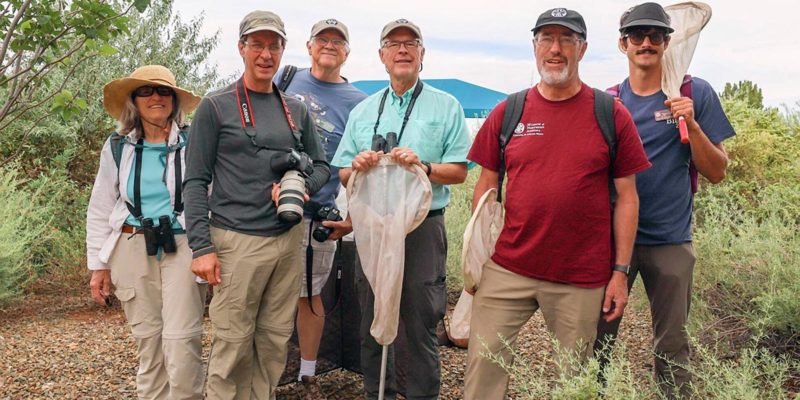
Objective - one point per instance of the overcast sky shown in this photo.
(489, 43)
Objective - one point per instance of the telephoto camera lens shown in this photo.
(290, 198)
(167, 237)
(150, 237)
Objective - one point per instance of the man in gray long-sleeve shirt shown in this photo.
(241, 247)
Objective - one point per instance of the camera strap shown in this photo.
(337, 261)
(414, 95)
(248, 117)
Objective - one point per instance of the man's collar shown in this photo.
(406, 97)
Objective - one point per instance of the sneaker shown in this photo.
(311, 388)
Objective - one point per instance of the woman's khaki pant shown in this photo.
(164, 307)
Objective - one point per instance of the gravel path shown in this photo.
(56, 347)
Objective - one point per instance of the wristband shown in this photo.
(625, 269)
(427, 164)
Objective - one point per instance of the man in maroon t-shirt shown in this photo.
(562, 249)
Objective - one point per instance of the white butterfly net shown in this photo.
(386, 202)
(480, 236)
(688, 19)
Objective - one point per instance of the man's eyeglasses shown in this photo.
(273, 48)
(337, 43)
(147, 91)
(637, 37)
(563, 41)
(394, 45)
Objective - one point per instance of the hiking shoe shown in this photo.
(311, 388)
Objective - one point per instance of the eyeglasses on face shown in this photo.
(147, 91)
(258, 48)
(394, 45)
(563, 41)
(323, 41)
(636, 37)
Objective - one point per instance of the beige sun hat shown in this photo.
(116, 92)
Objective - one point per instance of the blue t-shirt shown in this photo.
(155, 195)
(329, 105)
(665, 196)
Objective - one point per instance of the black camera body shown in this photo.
(159, 236)
(379, 143)
(292, 160)
(326, 213)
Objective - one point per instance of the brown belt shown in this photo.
(131, 229)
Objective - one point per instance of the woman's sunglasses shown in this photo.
(147, 91)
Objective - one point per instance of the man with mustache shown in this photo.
(663, 253)
(432, 134)
(240, 245)
(329, 98)
(561, 250)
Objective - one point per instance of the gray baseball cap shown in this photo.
(400, 23)
(561, 16)
(330, 23)
(645, 14)
(262, 21)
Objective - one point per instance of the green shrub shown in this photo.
(24, 223)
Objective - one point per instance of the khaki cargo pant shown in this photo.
(504, 302)
(164, 307)
(252, 312)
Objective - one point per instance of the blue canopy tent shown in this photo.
(476, 100)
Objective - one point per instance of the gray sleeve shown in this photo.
(201, 157)
(313, 147)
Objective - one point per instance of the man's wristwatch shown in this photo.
(427, 165)
(625, 269)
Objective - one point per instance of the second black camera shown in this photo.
(326, 213)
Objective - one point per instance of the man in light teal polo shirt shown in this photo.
(431, 133)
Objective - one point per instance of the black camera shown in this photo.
(292, 160)
(326, 213)
(379, 143)
(159, 236)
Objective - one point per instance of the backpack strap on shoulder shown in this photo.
(286, 78)
(117, 142)
(613, 90)
(511, 117)
(604, 113)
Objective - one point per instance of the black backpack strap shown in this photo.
(116, 146)
(511, 117)
(604, 113)
(136, 208)
(286, 78)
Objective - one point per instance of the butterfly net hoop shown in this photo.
(688, 19)
(385, 203)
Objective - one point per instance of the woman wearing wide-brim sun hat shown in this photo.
(135, 235)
